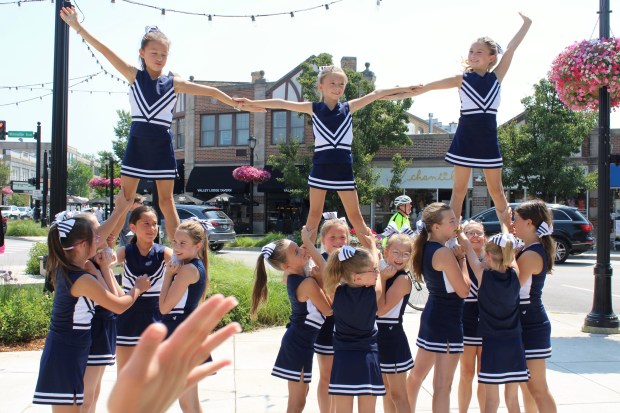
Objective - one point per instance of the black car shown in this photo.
(224, 229)
(571, 230)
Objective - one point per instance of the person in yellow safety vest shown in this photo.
(401, 216)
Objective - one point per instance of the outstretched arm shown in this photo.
(302, 107)
(183, 86)
(359, 103)
(69, 15)
(447, 83)
(504, 63)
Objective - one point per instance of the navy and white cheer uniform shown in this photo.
(332, 163)
(150, 153)
(534, 320)
(145, 310)
(356, 370)
(441, 323)
(63, 362)
(475, 143)
(103, 333)
(190, 299)
(294, 361)
(503, 356)
(394, 352)
(324, 343)
(471, 337)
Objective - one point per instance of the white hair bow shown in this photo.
(333, 215)
(392, 230)
(346, 252)
(544, 229)
(420, 226)
(206, 225)
(268, 249)
(64, 222)
(502, 239)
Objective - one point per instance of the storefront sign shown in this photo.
(422, 178)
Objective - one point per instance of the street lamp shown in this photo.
(252, 145)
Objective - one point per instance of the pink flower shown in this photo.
(251, 174)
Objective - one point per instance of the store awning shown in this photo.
(272, 185)
(614, 175)
(214, 180)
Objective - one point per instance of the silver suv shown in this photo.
(224, 227)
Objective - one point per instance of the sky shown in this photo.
(405, 41)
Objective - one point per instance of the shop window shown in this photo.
(231, 129)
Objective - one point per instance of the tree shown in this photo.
(78, 175)
(386, 195)
(382, 123)
(536, 153)
(5, 173)
(121, 131)
(104, 161)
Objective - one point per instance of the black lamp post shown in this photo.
(252, 145)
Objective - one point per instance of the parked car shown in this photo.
(25, 212)
(224, 228)
(571, 230)
(3, 224)
(10, 211)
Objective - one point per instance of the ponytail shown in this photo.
(275, 254)
(417, 257)
(508, 254)
(60, 249)
(338, 271)
(537, 211)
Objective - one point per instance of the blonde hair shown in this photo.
(337, 271)
(329, 224)
(502, 256)
(277, 259)
(493, 49)
(432, 214)
(198, 234)
(326, 70)
(401, 239)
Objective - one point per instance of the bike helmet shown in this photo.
(402, 200)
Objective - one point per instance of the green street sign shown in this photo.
(20, 134)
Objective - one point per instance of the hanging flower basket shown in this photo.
(582, 68)
(251, 174)
(7, 191)
(104, 183)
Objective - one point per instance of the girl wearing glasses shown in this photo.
(71, 242)
(352, 278)
(152, 97)
(440, 339)
(394, 352)
(472, 342)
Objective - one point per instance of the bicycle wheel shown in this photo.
(418, 296)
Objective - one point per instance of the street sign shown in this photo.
(20, 134)
(21, 187)
(37, 195)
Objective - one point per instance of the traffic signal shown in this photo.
(2, 130)
(32, 181)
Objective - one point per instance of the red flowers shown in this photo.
(104, 183)
(251, 174)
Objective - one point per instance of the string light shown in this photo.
(19, 3)
(46, 83)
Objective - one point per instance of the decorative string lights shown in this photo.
(19, 3)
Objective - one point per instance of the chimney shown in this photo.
(258, 76)
(349, 62)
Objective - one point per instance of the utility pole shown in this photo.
(37, 185)
(601, 318)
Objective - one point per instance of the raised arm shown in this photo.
(69, 15)
(309, 290)
(183, 86)
(504, 63)
(89, 287)
(116, 219)
(315, 254)
(301, 107)
(359, 103)
(447, 83)
(472, 257)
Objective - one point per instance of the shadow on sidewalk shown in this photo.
(593, 354)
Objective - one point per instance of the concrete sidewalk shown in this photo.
(584, 374)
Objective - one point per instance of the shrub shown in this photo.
(37, 250)
(24, 313)
(249, 242)
(236, 279)
(23, 228)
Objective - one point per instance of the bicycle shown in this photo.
(419, 294)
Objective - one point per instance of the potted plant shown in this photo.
(584, 67)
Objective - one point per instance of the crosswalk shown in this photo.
(20, 248)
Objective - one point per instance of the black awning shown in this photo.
(214, 180)
(272, 185)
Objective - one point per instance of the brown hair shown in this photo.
(403, 240)
(277, 259)
(60, 249)
(493, 49)
(338, 271)
(152, 36)
(431, 215)
(537, 211)
(135, 216)
(198, 234)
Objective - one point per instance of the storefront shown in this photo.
(283, 212)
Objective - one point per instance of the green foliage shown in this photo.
(248, 242)
(78, 175)
(121, 131)
(5, 173)
(38, 250)
(387, 194)
(104, 161)
(24, 313)
(536, 153)
(379, 124)
(24, 228)
(19, 200)
(236, 279)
